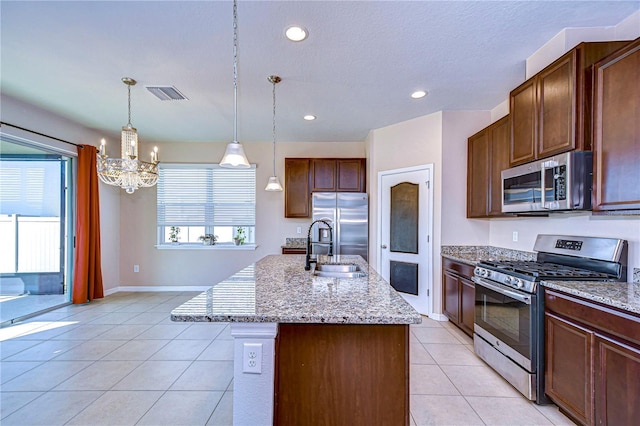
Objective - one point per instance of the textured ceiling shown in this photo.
(355, 71)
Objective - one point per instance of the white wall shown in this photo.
(410, 143)
(457, 126)
(36, 119)
(439, 139)
(180, 267)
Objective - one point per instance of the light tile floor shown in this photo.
(121, 361)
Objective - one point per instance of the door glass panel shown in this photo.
(404, 218)
(33, 230)
(404, 277)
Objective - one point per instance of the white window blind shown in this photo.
(205, 195)
(234, 197)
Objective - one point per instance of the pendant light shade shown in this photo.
(274, 183)
(234, 156)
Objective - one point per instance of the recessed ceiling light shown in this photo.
(296, 33)
(419, 94)
(309, 117)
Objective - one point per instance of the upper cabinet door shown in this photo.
(478, 169)
(323, 175)
(616, 148)
(522, 104)
(499, 158)
(297, 198)
(351, 175)
(557, 107)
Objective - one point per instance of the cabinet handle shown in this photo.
(384, 246)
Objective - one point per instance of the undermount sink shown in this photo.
(338, 271)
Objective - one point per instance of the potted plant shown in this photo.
(208, 239)
(240, 236)
(174, 231)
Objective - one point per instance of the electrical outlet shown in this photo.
(136, 268)
(252, 358)
(515, 236)
(299, 229)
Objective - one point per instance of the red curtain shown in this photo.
(87, 274)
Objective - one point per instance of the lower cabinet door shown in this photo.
(467, 305)
(451, 298)
(617, 382)
(568, 374)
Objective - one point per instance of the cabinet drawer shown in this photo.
(617, 323)
(462, 269)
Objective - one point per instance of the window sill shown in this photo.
(206, 247)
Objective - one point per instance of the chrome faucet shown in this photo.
(308, 261)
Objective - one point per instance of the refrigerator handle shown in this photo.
(336, 232)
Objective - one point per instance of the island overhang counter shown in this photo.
(311, 349)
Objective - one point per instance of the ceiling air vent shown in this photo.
(166, 93)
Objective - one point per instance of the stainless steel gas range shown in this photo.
(509, 306)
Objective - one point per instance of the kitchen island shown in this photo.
(310, 349)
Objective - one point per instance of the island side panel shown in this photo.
(342, 374)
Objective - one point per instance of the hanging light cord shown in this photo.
(274, 127)
(235, 71)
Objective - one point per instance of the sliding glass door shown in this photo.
(35, 229)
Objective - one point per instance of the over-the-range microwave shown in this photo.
(561, 182)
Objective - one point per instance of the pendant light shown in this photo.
(274, 183)
(234, 156)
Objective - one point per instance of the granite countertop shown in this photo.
(621, 295)
(474, 254)
(278, 289)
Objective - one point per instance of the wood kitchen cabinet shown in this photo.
(616, 148)
(551, 112)
(303, 176)
(568, 358)
(291, 250)
(338, 175)
(592, 360)
(459, 294)
(487, 156)
(341, 374)
(297, 202)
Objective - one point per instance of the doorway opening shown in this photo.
(35, 232)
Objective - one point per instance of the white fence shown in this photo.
(29, 244)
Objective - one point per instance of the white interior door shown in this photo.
(405, 211)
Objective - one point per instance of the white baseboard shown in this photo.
(155, 289)
(438, 317)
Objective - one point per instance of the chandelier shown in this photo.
(128, 172)
(234, 156)
(274, 183)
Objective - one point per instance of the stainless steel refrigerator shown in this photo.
(348, 214)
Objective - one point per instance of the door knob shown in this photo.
(384, 246)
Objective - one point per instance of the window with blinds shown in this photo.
(195, 200)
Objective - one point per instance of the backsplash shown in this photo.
(295, 242)
(636, 275)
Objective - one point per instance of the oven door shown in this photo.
(503, 317)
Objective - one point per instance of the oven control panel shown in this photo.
(505, 279)
(569, 244)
